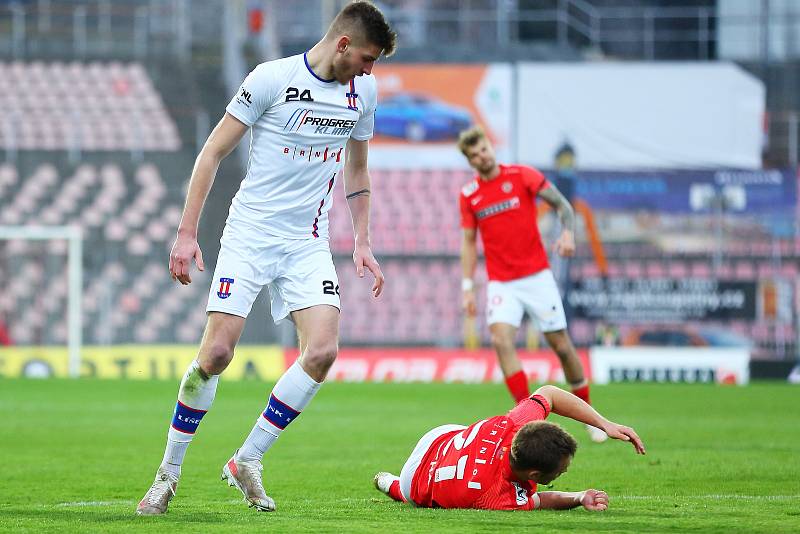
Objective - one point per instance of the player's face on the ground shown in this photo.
(547, 478)
(481, 156)
(352, 60)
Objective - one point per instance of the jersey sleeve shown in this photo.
(255, 95)
(534, 408)
(365, 126)
(534, 180)
(468, 219)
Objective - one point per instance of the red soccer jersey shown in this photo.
(503, 210)
(470, 468)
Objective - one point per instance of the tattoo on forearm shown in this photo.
(358, 194)
(562, 206)
(567, 216)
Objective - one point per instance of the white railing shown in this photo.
(140, 27)
(97, 27)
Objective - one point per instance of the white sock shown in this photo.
(195, 396)
(289, 397)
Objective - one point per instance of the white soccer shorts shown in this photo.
(411, 465)
(299, 274)
(506, 302)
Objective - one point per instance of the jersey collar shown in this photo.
(502, 171)
(310, 70)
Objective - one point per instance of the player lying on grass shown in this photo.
(496, 463)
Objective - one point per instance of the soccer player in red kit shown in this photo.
(500, 202)
(496, 463)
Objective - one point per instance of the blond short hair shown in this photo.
(469, 138)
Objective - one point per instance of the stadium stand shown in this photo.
(128, 217)
(413, 212)
(128, 207)
(88, 106)
(421, 301)
(129, 212)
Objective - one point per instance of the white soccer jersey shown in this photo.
(300, 125)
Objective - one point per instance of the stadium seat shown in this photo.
(745, 270)
(677, 268)
(104, 96)
(701, 269)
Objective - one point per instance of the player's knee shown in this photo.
(216, 357)
(320, 357)
(564, 353)
(502, 342)
(562, 347)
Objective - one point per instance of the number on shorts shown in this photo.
(329, 289)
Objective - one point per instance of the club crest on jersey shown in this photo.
(224, 288)
(352, 97)
(507, 187)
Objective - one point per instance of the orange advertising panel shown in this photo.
(422, 109)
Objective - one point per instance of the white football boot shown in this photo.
(246, 477)
(156, 500)
(383, 481)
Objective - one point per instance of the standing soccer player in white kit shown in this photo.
(311, 117)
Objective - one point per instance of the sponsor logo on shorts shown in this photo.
(225, 287)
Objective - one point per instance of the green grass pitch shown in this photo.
(78, 455)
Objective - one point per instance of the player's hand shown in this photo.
(469, 303)
(625, 433)
(594, 500)
(362, 257)
(565, 244)
(180, 258)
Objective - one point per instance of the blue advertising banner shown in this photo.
(699, 191)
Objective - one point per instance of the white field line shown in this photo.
(711, 497)
(94, 503)
(78, 504)
(657, 498)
